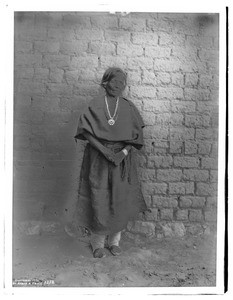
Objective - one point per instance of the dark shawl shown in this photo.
(128, 126)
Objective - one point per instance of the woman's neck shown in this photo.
(113, 98)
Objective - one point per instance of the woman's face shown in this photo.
(115, 86)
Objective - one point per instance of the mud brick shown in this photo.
(28, 60)
(148, 77)
(207, 107)
(166, 214)
(46, 47)
(214, 150)
(89, 61)
(147, 228)
(191, 79)
(41, 74)
(209, 163)
(157, 52)
(146, 174)
(136, 63)
(163, 201)
(204, 147)
(156, 106)
(176, 119)
(182, 215)
(31, 88)
(74, 20)
(56, 75)
(177, 79)
(197, 120)
(181, 188)
(59, 89)
(148, 188)
(60, 34)
(185, 202)
(206, 134)
(74, 47)
(198, 202)
(176, 146)
(87, 89)
(31, 33)
(211, 202)
(45, 19)
(170, 93)
(213, 176)
(158, 161)
(160, 188)
(186, 161)
(205, 80)
(144, 91)
(174, 39)
(133, 78)
(110, 61)
(215, 82)
(206, 189)
(21, 142)
(199, 42)
(163, 78)
(209, 56)
(168, 118)
(159, 25)
(192, 201)
(56, 61)
(87, 75)
(196, 215)
(169, 175)
(211, 215)
(124, 49)
(152, 215)
(215, 120)
(155, 132)
(165, 65)
(190, 147)
(104, 22)
(101, 48)
(22, 46)
(117, 36)
(145, 38)
(196, 94)
(183, 106)
(196, 175)
(148, 118)
(132, 24)
(147, 199)
(184, 53)
(24, 73)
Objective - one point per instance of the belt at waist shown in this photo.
(115, 146)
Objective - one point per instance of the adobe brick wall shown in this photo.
(172, 66)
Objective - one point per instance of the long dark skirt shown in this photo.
(109, 196)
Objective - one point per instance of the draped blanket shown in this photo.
(109, 196)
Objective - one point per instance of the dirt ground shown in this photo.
(60, 260)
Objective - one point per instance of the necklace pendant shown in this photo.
(111, 122)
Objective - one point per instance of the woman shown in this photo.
(109, 192)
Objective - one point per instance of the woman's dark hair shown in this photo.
(111, 73)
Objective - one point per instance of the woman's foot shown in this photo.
(115, 250)
(99, 253)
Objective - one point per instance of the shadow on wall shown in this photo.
(46, 175)
(47, 160)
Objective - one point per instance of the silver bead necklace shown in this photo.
(111, 120)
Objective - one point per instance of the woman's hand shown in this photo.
(119, 157)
